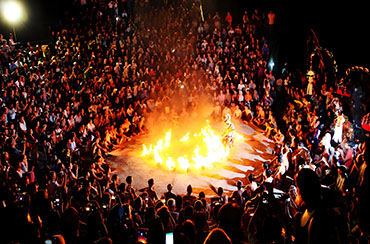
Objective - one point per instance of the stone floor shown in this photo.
(251, 148)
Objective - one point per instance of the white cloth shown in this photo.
(23, 126)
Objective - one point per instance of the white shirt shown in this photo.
(254, 186)
(241, 86)
(23, 125)
(269, 180)
(12, 113)
(72, 146)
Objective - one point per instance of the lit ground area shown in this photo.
(250, 150)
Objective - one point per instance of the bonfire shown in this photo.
(191, 150)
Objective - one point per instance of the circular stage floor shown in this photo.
(248, 153)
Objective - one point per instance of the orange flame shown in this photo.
(195, 151)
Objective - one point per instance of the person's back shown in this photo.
(70, 224)
(217, 236)
(151, 193)
(229, 217)
(169, 194)
(317, 224)
(171, 204)
(129, 188)
(155, 228)
(188, 197)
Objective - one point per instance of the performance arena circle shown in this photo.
(197, 157)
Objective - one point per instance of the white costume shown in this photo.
(338, 129)
(229, 132)
(326, 142)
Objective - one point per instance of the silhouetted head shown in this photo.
(309, 187)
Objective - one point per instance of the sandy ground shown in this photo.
(250, 150)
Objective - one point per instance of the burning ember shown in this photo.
(190, 151)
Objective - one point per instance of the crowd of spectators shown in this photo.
(66, 105)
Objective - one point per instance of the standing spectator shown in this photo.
(229, 19)
(217, 20)
(271, 17)
(23, 125)
(151, 193)
(265, 51)
(189, 197)
(169, 194)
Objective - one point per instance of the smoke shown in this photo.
(184, 111)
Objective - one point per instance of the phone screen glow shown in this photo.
(169, 238)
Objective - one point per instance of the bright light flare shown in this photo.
(12, 11)
(271, 64)
(190, 151)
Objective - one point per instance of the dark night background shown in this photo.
(341, 26)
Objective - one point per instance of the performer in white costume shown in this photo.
(338, 128)
(228, 136)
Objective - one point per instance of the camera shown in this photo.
(142, 235)
(216, 201)
(264, 198)
(51, 240)
(265, 201)
(57, 202)
(20, 197)
(91, 207)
